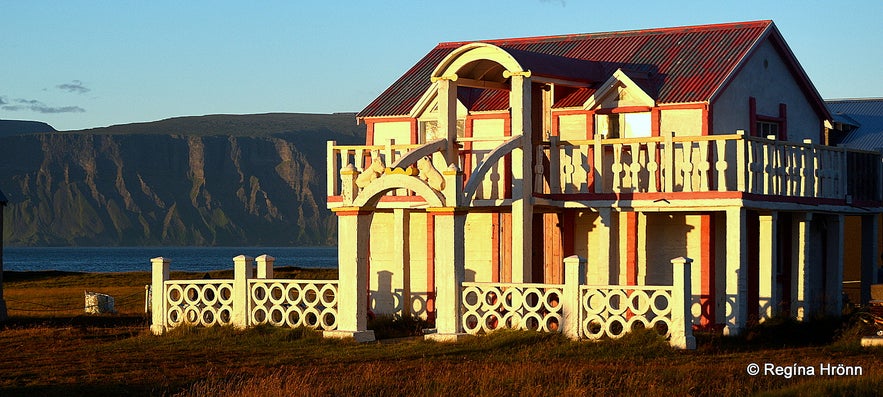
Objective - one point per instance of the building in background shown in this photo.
(857, 124)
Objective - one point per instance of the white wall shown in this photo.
(765, 76)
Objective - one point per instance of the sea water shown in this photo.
(137, 259)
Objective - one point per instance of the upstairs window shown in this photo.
(767, 128)
(429, 130)
(623, 125)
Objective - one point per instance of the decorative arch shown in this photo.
(475, 52)
(370, 195)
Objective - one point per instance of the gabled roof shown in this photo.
(867, 115)
(678, 65)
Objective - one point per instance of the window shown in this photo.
(623, 125)
(766, 128)
(429, 130)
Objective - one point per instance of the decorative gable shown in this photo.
(618, 91)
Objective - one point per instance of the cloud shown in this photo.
(563, 3)
(37, 106)
(75, 87)
(3, 100)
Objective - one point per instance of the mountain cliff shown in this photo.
(210, 180)
(15, 127)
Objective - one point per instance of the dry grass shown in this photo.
(72, 354)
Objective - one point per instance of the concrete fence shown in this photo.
(578, 310)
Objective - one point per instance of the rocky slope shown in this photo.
(212, 180)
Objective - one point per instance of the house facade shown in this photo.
(493, 161)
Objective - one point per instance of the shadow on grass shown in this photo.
(837, 333)
(89, 321)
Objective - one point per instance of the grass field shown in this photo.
(49, 348)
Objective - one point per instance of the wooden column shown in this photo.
(353, 226)
(802, 277)
(402, 255)
(522, 175)
(447, 115)
(736, 272)
(769, 295)
(449, 271)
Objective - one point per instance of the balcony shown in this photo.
(706, 167)
(652, 168)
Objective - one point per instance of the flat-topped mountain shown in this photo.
(230, 180)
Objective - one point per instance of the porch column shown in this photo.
(801, 280)
(833, 269)
(447, 115)
(353, 226)
(449, 271)
(522, 178)
(770, 296)
(736, 274)
(401, 254)
(599, 265)
(870, 255)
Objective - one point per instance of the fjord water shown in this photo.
(134, 259)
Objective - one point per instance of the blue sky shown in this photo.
(82, 64)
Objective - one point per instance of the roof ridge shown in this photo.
(871, 99)
(671, 29)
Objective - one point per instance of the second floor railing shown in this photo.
(663, 164)
(721, 163)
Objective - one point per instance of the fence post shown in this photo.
(158, 306)
(243, 270)
(681, 301)
(265, 266)
(574, 277)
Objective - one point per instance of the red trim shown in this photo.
(704, 120)
(631, 242)
(384, 199)
(414, 138)
(555, 123)
(467, 148)
(369, 123)
(334, 199)
(781, 120)
(495, 247)
(352, 212)
(655, 122)
(707, 272)
(568, 225)
(625, 109)
(683, 106)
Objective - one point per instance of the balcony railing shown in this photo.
(717, 163)
(600, 168)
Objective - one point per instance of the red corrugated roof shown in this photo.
(681, 65)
